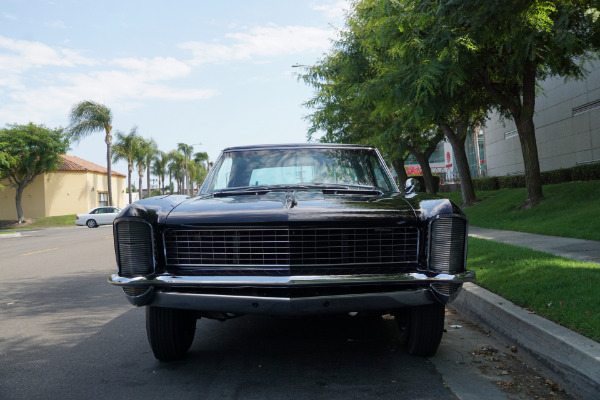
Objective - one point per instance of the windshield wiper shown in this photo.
(342, 186)
(246, 190)
(325, 187)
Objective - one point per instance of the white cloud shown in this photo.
(16, 56)
(46, 96)
(334, 10)
(9, 16)
(158, 68)
(266, 41)
(56, 24)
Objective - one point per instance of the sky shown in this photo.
(209, 73)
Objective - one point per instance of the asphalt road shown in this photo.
(65, 333)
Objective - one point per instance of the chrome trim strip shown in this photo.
(209, 178)
(173, 281)
(292, 306)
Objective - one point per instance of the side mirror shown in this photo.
(412, 186)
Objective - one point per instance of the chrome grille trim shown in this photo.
(279, 247)
(448, 244)
(134, 247)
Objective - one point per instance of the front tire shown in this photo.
(170, 332)
(91, 223)
(423, 327)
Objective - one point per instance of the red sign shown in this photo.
(448, 158)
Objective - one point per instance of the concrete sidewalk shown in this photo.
(572, 359)
(576, 249)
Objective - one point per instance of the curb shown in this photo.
(570, 358)
(9, 235)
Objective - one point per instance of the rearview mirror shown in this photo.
(412, 186)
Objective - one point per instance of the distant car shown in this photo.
(97, 216)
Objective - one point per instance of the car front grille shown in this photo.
(300, 251)
(448, 245)
(134, 248)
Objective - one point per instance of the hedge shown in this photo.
(489, 183)
(585, 172)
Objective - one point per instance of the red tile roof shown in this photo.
(72, 163)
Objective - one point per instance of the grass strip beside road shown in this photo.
(569, 209)
(561, 290)
(39, 223)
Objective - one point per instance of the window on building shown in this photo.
(102, 199)
(475, 153)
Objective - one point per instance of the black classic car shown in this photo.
(292, 230)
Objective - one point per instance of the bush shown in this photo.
(585, 172)
(556, 176)
(511, 181)
(489, 183)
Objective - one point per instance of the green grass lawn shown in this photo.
(45, 222)
(568, 209)
(558, 289)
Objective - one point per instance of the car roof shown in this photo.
(297, 146)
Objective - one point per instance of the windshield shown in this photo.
(299, 166)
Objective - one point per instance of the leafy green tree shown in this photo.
(124, 149)
(506, 48)
(349, 109)
(28, 151)
(88, 117)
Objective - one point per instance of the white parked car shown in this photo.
(97, 216)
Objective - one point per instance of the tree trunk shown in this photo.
(129, 171)
(148, 178)
(401, 171)
(521, 105)
(423, 161)
(108, 140)
(141, 179)
(19, 195)
(533, 180)
(457, 141)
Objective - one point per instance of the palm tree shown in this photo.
(176, 166)
(141, 148)
(202, 157)
(187, 150)
(197, 173)
(159, 168)
(151, 151)
(88, 117)
(125, 149)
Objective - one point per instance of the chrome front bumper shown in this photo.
(168, 291)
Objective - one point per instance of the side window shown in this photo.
(94, 211)
(222, 179)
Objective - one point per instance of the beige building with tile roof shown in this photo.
(76, 187)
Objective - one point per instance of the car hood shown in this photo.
(288, 206)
